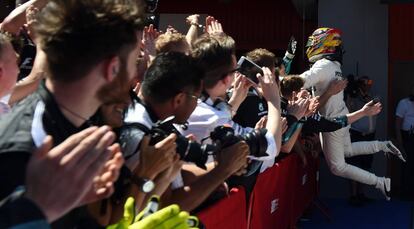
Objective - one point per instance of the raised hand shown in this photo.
(80, 170)
(371, 108)
(31, 13)
(214, 27)
(313, 105)
(150, 34)
(240, 90)
(269, 86)
(193, 20)
(298, 108)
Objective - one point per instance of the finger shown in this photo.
(172, 222)
(90, 148)
(144, 143)
(46, 146)
(166, 142)
(260, 78)
(238, 81)
(95, 166)
(220, 27)
(182, 225)
(71, 142)
(191, 137)
(161, 216)
(248, 83)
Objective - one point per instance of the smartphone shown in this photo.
(249, 69)
(375, 100)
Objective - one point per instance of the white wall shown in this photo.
(365, 37)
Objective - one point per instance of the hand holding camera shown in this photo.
(233, 158)
(154, 159)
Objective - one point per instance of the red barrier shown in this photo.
(227, 213)
(270, 201)
(279, 197)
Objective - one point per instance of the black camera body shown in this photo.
(131, 134)
(223, 136)
(188, 150)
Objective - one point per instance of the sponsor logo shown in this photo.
(261, 108)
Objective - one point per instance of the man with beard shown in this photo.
(91, 47)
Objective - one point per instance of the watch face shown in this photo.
(148, 186)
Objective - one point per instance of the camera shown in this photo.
(249, 69)
(131, 134)
(223, 136)
(189, 151)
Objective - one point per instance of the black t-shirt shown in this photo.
(21, 131)
(27, 55)
(252, 109)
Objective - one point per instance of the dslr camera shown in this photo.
(131, 134)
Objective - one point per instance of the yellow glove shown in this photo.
(150, 218)
(129, 215)
(169, 217)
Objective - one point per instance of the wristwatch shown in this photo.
(145, 185)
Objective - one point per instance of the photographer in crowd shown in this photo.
(216, 54)
(63, 105)
(171, 88)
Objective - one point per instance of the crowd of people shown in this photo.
(114, 123)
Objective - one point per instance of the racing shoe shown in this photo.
(384, 185)
(391, 148)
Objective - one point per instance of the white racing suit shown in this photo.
(337, 145)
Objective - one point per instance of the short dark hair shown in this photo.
(262, 57)
(291, 83)
(214, 55)
(78, 34)
(169, 74)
